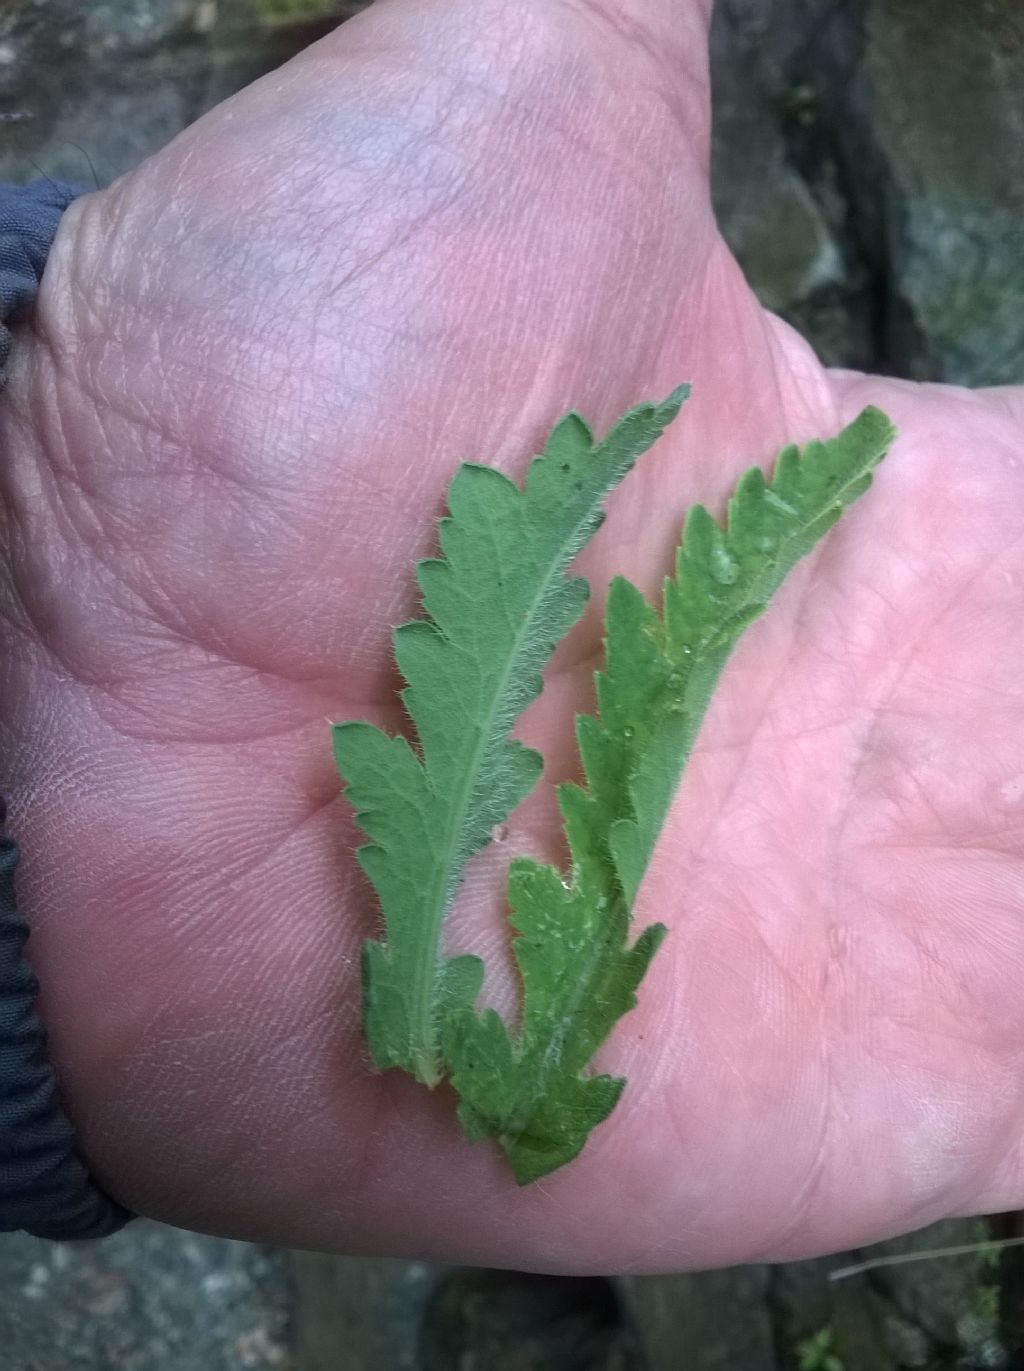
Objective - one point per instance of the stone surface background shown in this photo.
(869, 173)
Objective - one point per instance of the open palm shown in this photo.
(255, 364)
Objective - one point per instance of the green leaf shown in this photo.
(497, 603)
(578, 972)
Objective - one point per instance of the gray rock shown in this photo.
(714, 1321)
(902, 121)
(779, 196)
(105, 85)
(947, 115)
(148, 1299)
(411, 1316)
(928, 1312)
(371, 1310)
(766, 209)
(507, 1321)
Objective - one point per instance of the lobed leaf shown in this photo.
(579, 973)
(497, 602)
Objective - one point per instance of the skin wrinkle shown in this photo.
(801, 1203)
(880, 706)
(55, 313)
(833, 1095)
(968, 849)
(262, 1140)
(883, 705)
(248, 863)
(808, 379)
(53, 659)
(103, 547)
(57, 473)
(745, 747)
(634, 32)
(412, 230)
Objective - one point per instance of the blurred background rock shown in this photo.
(869, 174)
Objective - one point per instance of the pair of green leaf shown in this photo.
(497, 603)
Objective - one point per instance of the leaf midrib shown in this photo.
(427, 937)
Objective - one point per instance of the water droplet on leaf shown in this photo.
(724, 566)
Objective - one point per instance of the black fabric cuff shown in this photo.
(29, 216)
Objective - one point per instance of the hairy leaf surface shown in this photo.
(497, 602)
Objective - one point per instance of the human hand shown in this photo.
(255, 364)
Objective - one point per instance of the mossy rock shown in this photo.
(298, 11)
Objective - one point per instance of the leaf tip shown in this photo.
(673, 403)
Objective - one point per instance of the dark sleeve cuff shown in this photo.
(29, 216)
